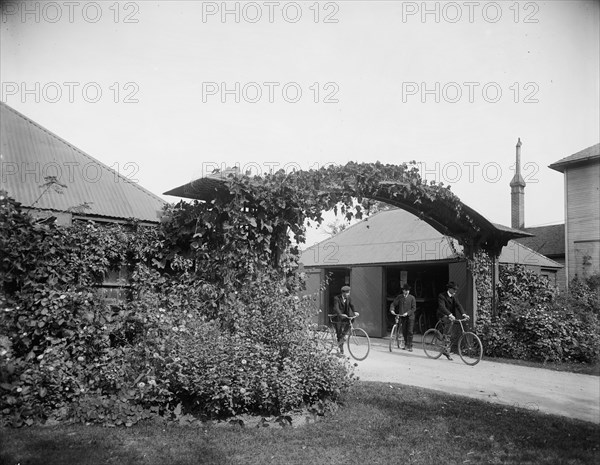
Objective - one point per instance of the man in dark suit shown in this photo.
(342, 308)
(406, 306)
(449, 309)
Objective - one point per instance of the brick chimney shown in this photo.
(517, 194)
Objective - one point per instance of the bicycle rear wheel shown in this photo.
(470, 348)
(359, 344)
(325, 337)
(420, 324)
(394, 336)
(433, 343)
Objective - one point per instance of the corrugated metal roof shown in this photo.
(588, 154)
(30, 152)
(397, 236)
(515, 253)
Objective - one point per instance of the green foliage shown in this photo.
(481, 268)
(546, 333)
(258, 356)
(519, 286)
(256, 222)
(534, 322)
(188, 340)
(54, 329)
(584, 294)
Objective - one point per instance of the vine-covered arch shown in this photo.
(287, 199)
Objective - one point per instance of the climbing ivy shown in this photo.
(259, 221)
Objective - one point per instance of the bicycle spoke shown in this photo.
(393, 336)
(470, 349)
(358, 344)
(433, 343)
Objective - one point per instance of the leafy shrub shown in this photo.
(187, 340)
(517, 285)
(584, 294)
(260, 357)
(546, 333)
(535, 323)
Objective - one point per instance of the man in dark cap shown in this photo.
(342, 308)
(406, 306)
(449, 309)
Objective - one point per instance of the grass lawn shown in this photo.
(377, 423)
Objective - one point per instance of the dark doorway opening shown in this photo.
(338, 277)
(426, 282)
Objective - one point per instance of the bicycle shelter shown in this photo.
(467, 228)
(375, 257)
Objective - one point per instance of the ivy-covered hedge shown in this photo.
(534, 322)
(185, 343)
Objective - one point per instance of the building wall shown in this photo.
(315, 292)
(62, 218)
(582, 191)
(366, 283)
(466, 294)
(560, 275)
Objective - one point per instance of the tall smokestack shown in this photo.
(517, 194)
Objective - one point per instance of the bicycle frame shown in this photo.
(357, 339)
(437, 341)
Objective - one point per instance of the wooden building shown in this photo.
(582, 211)
(376, 256)
(550, 242)
(51, 178)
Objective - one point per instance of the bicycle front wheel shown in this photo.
(433, 343)
(359, 344)
(470, 348)
(393, 336)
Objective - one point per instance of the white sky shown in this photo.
(173, 59)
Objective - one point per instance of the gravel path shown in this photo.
(560, 393)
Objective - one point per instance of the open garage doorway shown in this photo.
(426, 282)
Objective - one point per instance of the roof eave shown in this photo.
(561, 166)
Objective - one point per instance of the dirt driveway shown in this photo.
(559, 393)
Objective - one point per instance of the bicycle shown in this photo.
(396, 334)
(357, 339)
(470, 348)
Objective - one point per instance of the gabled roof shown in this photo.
(29, 153)
(397, 236)
(547, 240)
(585, 156)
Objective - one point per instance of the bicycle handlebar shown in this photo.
(332, 315)
(467, 318)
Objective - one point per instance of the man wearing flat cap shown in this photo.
(405, 306)
(342, 308)
(449, 309)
